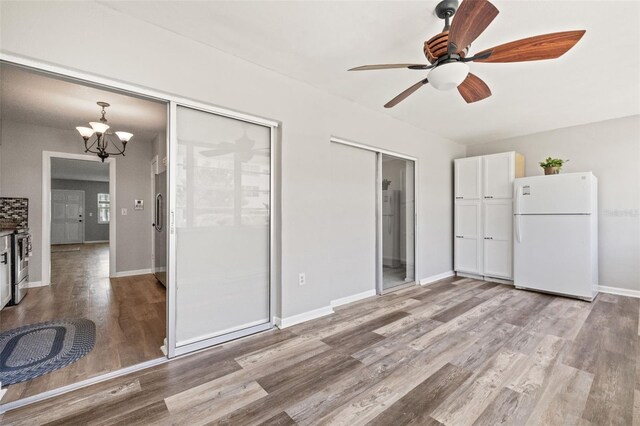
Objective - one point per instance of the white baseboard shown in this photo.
(305, 316)
(121, 274)
(353, 298)
(619, 291)
(434, 278)
(34, 284)
(96, 242)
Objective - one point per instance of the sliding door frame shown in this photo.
(172, 319)
(379, 152)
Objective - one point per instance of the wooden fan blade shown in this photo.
(402, 96)
(391, 66)
(470, 20)
(537, 48)
(473, 89)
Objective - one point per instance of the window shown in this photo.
(104, 208)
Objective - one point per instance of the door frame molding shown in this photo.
(84, 208)
(46, 209)
(379, 151)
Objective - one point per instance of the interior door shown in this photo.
(67, 210)
(352, 211)
(220, 229)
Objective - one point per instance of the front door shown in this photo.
(67, 210)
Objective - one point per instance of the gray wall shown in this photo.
(21, 167)
(49, 32)
(352, 253)
(611, 150)
(93, 231)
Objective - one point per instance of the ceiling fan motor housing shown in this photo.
(438, 46)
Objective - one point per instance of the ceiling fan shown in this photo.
(243, 149)
(447, 51)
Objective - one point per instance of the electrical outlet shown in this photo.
(302, 280)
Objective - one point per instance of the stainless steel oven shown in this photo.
(21, 250)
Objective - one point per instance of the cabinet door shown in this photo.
(497, 240)
(467, 178)
(468, 239)
(498, 174)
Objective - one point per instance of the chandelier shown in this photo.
(103, 137)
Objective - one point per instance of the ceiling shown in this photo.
(36, 98)
(65, 168)
(317, 41)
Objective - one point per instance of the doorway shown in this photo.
(396, 257)
(87, 311)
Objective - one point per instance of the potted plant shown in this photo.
(385, 184)
(552, 166)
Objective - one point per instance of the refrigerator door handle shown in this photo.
(518, 233)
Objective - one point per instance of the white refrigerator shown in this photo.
(556, 234)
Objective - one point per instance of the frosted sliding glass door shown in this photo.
(222, 227)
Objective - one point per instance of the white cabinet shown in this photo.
(498, 173)
(483, 218)
(468, 237)
(467, 183)
(498, 238)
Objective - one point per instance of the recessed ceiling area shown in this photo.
(317, 41)
(70, 169)
(32, 97)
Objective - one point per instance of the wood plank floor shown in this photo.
(129, 314)
(457, 352)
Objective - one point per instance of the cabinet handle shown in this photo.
(4, 258)
(488, 238)
(459, 236)
(459, 198)
(488, 196)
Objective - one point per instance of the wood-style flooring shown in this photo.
(457, 352)
(129, 314)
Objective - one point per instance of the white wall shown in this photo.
(611, 150)
(143, 54)
(21, 168)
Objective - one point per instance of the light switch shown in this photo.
(124, 212)
(90, 214)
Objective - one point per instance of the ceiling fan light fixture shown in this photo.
(448, 76)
